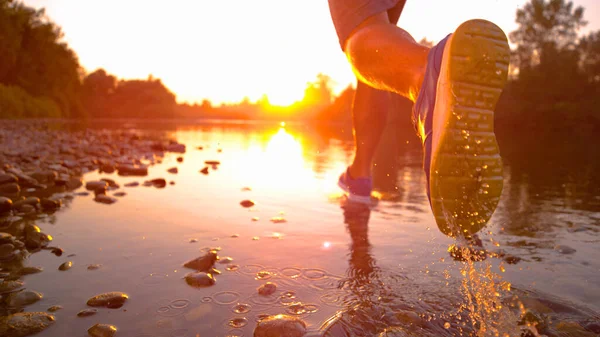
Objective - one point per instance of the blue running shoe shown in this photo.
(358, 189)
(454, 116)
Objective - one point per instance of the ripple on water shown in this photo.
(251, 269)
(232, 267)
(225, 297)
(327, 283)
(237, 322)
(263, 275)
(154, 279)
(235, 333)
(332, 298)
(241, 308)
(173, 308)
(291, 272)
(261, 300)
(314, 274)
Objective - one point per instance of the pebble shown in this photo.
(7, 286)
(23, 298)
(280, 325)
(55, 308)
(158, 182)
(180, 159)
(173, 170)
(247, 203)
(225, 260)
(563, 249)
(87, 312)
(199, 279)
(267, 289)
(212, 162)
(203, 263)
(11, 188)
(102, 330)
(57, 251)
(94, 266)
(7, 178)
(6, 250)
(132, 184)
(24, 323)
(131, 170)
(204, 170)
(112, 300)
(50, 204)
(120, 194)
(96, 185)
(105, 199)
(6, 238)
(65, 266)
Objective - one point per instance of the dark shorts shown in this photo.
(348, 14)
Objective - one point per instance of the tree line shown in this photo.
(554, 77)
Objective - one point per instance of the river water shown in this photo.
(344, 269)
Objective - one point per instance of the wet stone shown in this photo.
(158, 182)
(7, 178)
(23, 298)
(96, 185)
(203, 263)
(512, 259)
(225, 260)
(7, 286)
(26, 209)
(204, 170)
(55, 308)
(87, 312)
(65, 266)
(32, 201)
(267, 289)
(102, 330)
(563, 249)
(6, 250)
(131, 170)
(173, 170)
(74, 183)
(176, 147)
(50, 204)
(247, 203)
(120, 194)
(280, 325)
(57, 251)
(105, 199)
(30, 270)
(6, 238)
(199, 279)
(94, 266)
(11, 188)
(180, 159)
(24, 324)
(111, 300)
(132, 184)
(212, 162)
(112, 185)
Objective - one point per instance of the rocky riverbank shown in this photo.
(41, 170)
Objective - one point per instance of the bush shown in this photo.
(17, 103)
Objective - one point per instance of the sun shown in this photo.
(285, 94)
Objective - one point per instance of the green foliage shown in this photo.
(17, 103)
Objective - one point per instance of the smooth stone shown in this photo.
(132, 184)
(102, 330)
(105, 199)
(199, 279)
(50, 204)
(204, 262)
(30, 270)
(267, 289)
(6, 249)
(23, 298)
(224, 260)
(131, 170)
(65, 266)
(120, 194)
(94, 266)
(212, 162)
(180, 159)
(24, 324)
(280, 326)
(57, 251)
(111, 300)
(204, 170)
(247, 203)
(6, 238)
(87, 312)
(563, 249)
(55, 308)
(7, 178)
(173, 170)
(7, 286)
(96, 185)
(32, 201)
(44, 176)
(34, 238)
(26, 209)
(111, 183)
(74, 183)
(82, 194)
(158, 182)
(11, 188)
(178, 148)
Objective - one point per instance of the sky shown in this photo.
(226, 50)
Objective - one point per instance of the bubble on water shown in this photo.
(291, 272)
(237, 322)
(314, 274)
(226, 297)
(296, 308)
(180, 304)
(260, 300)
(241, 308)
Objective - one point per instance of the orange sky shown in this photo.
(225, 50)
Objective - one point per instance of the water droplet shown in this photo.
(467, 147)
(263, 275)
(237, 322)
(241, 308)
(232, 267)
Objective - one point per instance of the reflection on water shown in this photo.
(359, 269)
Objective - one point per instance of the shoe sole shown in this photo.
(354, 197)
(466, 177)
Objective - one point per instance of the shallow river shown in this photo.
(344, 269)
